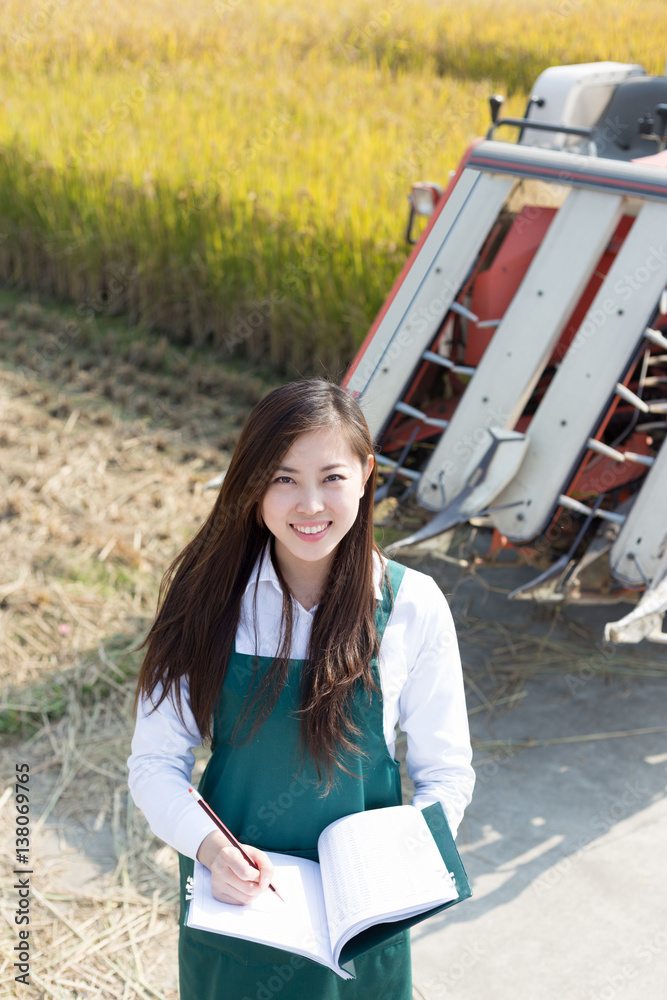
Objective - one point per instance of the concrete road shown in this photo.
(565, 842)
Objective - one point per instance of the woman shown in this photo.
(284, 638)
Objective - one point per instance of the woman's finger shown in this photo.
(266, 869)
(233, 879)
(232, 858)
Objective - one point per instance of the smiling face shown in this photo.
(312, 500)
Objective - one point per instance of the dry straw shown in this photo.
(96, 500)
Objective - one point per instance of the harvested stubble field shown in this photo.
(102, 461)
(105, 446)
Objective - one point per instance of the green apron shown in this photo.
(268, 800)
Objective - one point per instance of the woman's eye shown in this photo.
(282, 479)
(334, 476)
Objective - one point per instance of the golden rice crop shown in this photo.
(237, 171)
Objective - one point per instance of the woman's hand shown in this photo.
(233, 880)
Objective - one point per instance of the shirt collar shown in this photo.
(264, 572)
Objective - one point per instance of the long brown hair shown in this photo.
(200, 596)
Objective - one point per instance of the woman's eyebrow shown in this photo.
(325, 468)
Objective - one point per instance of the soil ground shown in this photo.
(107, 440)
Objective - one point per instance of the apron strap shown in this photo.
(386, 605)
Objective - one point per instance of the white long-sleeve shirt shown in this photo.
(422, 691)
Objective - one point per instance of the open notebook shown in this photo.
(379, 871)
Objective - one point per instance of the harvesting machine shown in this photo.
(515, 379)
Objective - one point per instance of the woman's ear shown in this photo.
(366, 471)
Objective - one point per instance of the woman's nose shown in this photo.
(310, 502)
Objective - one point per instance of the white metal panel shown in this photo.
(523, 343)
(646, 618)
(609, 176)
(566, 92)
(507, 450)
(426, 294)
(402, 295)
(575, 401)
(643, 537)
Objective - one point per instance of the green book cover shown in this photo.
(380, 933)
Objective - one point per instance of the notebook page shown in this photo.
(298, 925)
(379, 864)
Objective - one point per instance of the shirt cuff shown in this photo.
(191, 831)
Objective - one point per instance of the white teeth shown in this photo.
(310, 531)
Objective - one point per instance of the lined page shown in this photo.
(298, 925)
(379, 865)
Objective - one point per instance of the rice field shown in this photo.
(235, 173)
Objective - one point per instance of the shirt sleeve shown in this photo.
(160, 767)
(432, 710)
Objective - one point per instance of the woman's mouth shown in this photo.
(311, 532)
